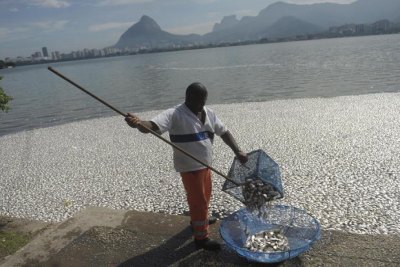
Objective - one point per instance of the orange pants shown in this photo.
(198, 191)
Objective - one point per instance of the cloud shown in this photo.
(50, 26)
(49, 3)
(4, 32)
(27, 31)
(109, 26)
(14, 9)
(8, 34)
(122, 2)
(11, 34)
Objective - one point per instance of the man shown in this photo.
(192, 126)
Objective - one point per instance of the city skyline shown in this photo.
(346, 30)
(68, 25)
(46, 54)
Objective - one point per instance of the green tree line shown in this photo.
(4, 99)
(4, 65)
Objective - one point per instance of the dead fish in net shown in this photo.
(256, 193)
(267, 241)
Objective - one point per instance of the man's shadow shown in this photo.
(180, 250)
(173, 250)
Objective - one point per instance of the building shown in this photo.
(36, 56)
(360, 28)
(344, 29)
(45, 52)
(382, 25)
(55, 55)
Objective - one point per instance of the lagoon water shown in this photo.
(306, 69)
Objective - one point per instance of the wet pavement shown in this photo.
(106, 237)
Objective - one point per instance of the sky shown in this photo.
(67, 25)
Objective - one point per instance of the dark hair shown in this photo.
(196, 88)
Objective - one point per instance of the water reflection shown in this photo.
(320, 68)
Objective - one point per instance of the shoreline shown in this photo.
(51, 173)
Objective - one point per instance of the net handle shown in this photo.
(146, 128)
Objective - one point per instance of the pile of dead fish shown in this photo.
(256, 193)
(267, 241)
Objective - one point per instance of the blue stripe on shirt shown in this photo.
(184, 138)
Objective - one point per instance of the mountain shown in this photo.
(226, 23)
(147, 33)
(290, 26)
(277, 20)
(322, 15)
(328, 14)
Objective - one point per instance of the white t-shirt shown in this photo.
(189, 133)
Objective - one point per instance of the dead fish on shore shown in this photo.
(256, 193)
(267, 241)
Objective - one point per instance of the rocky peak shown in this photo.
(227, 22)
(146, 25)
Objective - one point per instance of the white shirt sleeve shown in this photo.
(219, 127)
(164, 120)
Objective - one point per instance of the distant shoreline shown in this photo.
(310, 37)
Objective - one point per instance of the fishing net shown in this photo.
(263, 232)
(257, 181)
(298, 228)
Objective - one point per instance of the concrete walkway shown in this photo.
(105, 237)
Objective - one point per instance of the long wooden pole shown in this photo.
(150, 131)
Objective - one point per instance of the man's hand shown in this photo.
(243, 158)
(142, 126)
(231, 142)
(132, 120)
